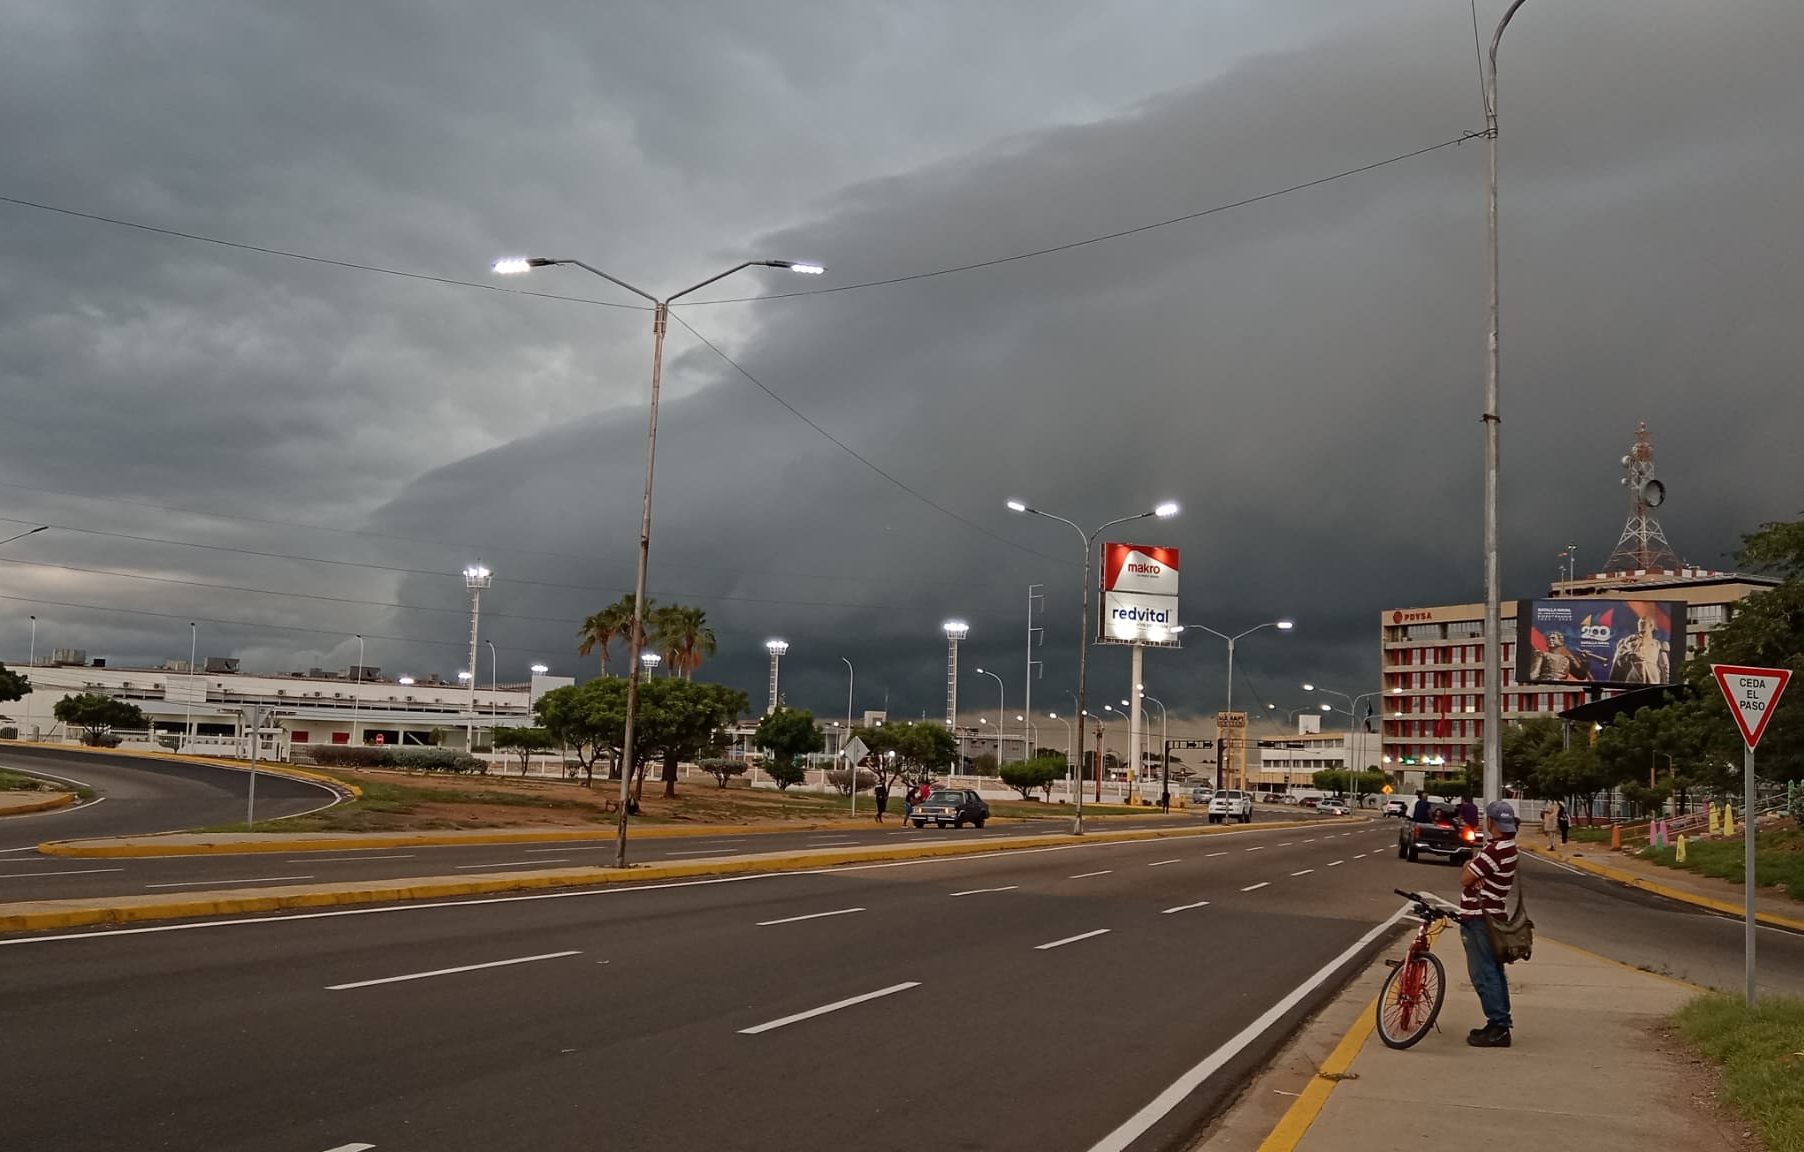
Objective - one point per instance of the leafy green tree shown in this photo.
(1026, 775)
(604, 627)
(13, 685)
(681, 634)
(1362, 783)
(787, 734)
(589, 719)
(96, 715)
(921, 750)
(523, 742)
(681, 720)
(984, 764)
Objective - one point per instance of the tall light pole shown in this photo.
(776, 648)
(494, 690)
(851, 768)
(188, 709)
(476, 578)
(1352, 721)
(1493, 734)
(659, 320)
(357, 695)
(31, 661)
(1280, 625)
(1001, 707)
(1164, 512)
(955, 630)
(1070, 765)
(1142, 693)
(650, 661)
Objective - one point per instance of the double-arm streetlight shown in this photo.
(1352, 721)
(1165, 775)
(1070, 765)
(1163, 511)
(660, 317)
(1001, 706)
(1280, 625)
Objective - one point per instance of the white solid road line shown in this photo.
(344, 860)
(1185, 907)
(1162, 863)
(782, 1021)
(1255, 887)
(1257, 848)
(1071, 939)
(572, 848)
(810, 916)
(1087, 875)
(692, 852)
(514, 864)
(65, 872)
(252, 880)
(1304, 872)
(448, 971)
(1161, 1105)
(351, 1148)
(980, 891)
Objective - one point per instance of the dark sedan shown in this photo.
(954, 806)
(1441, 834)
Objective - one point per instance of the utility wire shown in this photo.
(1478, 52)
(202, 239)
(854, 453)
(1107, 236)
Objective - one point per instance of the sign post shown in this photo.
(1752, 694)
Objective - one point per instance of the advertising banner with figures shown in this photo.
(1610, 643)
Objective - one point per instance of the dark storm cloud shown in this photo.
(1303, 374)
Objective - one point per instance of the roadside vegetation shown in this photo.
(1778, 861)
(1761, 1051)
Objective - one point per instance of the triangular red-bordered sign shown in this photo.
(1753, 694)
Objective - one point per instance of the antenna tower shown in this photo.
(1643, 545)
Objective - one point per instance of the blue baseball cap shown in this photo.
(1501, 813)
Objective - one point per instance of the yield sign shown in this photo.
(1752, 694)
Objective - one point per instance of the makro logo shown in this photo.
(1406, 617)
(1142, 615)
(1142, 568)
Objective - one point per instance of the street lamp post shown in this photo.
(1070, 766)
(31, 661)
(776, 648)
(1352, 722)
(188, 708)
(1280, 625)
(1164, 512)
(851, 768)
(1493, 733)
(494, 691)
(1164, 749)
(660, 318)
(1001, 706)
(357, 695)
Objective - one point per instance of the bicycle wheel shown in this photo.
(1411, 1000)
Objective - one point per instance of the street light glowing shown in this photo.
(540, 669)
(405, 681)
(804, 268)
(463, 675)
(1327, 707)
(650, 659)
(1016, 506)
(1309, 687)
(776, 647)
(511, 265)
(1166, 510)
(957, 629)
(1285, 625)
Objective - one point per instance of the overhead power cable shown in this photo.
(1089, 240)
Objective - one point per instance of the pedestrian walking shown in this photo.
(881, 795)
(1565, 822)
(1485, 884)
(1550, 822)
(908, 803)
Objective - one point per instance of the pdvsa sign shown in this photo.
(1139, 594)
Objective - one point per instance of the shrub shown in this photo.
(9, 733)
(785, 774)
(724, 770)
(841, 779)
(407, 759)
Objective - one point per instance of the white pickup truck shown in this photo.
(1231, 805)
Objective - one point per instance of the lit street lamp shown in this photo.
(1352, 711)
(1001, 706)
(476, 578)
(539, 669)
(660, 319)
(1164, 512)
(1070, 765)
(776, 648)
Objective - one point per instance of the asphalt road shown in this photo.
(27, 875)
(136, 796)
(1022, 1000)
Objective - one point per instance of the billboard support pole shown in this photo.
(1747, 862)
(1134, 730)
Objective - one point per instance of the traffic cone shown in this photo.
(1678, 853)
(1615, 837)
(1715, 824)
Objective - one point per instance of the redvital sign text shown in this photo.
(1139, 594)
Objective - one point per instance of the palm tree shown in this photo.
(604, 627)
(682, 634)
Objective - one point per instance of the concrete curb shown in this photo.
(60, 800)
(1294, 1124)
(42, 915)
(1634, 881)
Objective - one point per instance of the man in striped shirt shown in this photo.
(1485, 884)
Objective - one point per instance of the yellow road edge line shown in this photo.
(57, 801)
(1303, 1111)
(36, 916)
(1679, 894)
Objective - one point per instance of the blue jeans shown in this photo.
(1486, 974)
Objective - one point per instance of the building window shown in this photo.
(341, 737)
(298, 736)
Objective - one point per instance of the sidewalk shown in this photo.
(19, 803)
(1675, 883)
(1590, 1069)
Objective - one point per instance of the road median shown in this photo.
(42, 915)
(13, 804)
(1668, 891)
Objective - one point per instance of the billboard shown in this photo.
(1139, 595)
(1610, 643)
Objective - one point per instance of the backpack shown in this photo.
(1512, 936)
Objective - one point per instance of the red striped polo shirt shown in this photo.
(1496, 867)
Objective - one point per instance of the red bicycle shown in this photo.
(1412, 994)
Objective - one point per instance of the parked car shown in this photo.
(1441, 834)
(1310, 801)
(1396, 806)
(954, 806)
(1201, 795)
(1231, 804)
(1272, 798)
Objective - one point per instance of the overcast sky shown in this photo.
(1304, 374)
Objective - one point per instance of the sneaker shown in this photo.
(1473, 1035)
(1489, 1037)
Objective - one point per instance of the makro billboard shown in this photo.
(1615, 643)
(1139, 594)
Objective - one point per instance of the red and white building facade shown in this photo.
(1433, 660)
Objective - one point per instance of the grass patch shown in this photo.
(1585, 834)
(1761, 1051)
(15, 782)
(1778, 861)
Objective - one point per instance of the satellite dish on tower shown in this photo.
(1653, 493)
